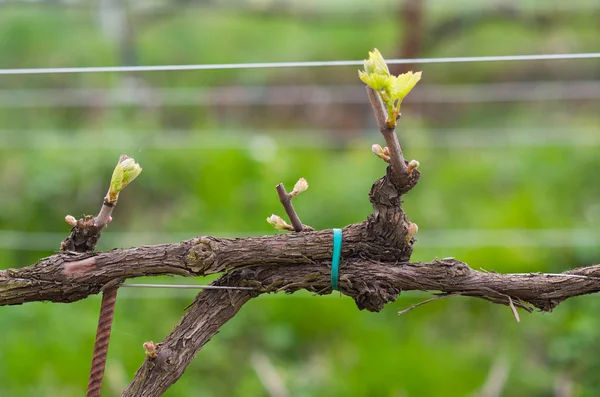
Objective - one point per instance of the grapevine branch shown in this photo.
(371, 272)
(303, 263)
(375, 267)
(286, 201)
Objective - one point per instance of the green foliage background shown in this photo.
(508, 186)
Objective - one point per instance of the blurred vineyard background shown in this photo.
(509, 153)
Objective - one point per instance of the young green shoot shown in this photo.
(392, 89)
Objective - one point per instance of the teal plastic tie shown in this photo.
(335, 258)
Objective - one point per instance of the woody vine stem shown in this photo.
(375, 259)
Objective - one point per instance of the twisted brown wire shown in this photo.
(107, 311)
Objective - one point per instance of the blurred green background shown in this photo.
(508, 152)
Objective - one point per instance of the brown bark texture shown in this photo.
(375, 268)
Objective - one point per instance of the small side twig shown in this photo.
(435, 298)
(389, 134)
(513, 309)
(286, 200)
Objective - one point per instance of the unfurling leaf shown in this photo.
(70, 219)
(376, 81)
(279, 223)
(382, 153)
(299, 187)
(402, 86)
(411, 231)
(376, 64)
(412, 165)
(150, 350)
(392, 89)
(376, 74)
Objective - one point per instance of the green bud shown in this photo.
(382, 153)
(70, 219)
(131, 170)
(125, 172)
(150, 350)
(412, 165)
(411, 231)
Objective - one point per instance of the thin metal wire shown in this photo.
(265, 65)
(186, 286)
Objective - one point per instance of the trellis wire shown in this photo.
(265, 65)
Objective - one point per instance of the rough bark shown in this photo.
(375, 268)
(301, 265)
(370, 283)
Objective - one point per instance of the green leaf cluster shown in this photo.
(392, 88)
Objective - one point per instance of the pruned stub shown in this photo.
(84, 236)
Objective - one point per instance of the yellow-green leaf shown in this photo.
(376, 63)
(376, 81)
(402, 85)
